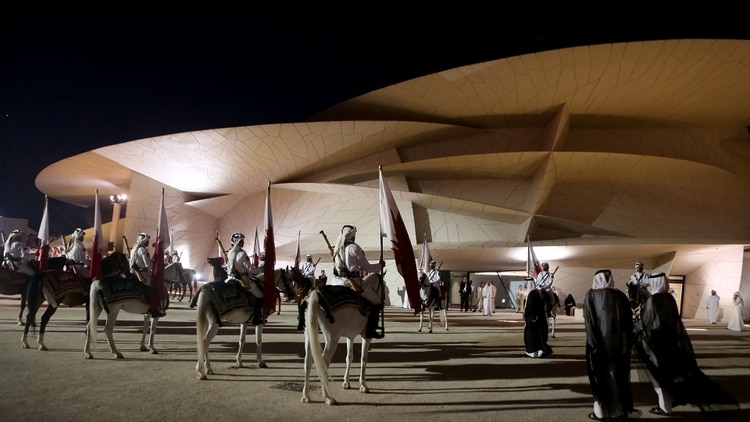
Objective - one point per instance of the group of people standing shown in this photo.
(19, 256)
(480, 298)
(660, 342)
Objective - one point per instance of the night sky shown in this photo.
(74, 79)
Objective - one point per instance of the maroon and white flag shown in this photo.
(533, 267)
(426, 258)
(162, 242)
(270, 293)
(393, 228)
(256, 250)
(296, 253)
(95, 266)
(43, 235)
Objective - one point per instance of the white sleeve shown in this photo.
(242, 262)
(355, 255)
(143, 260)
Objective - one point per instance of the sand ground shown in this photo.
(472, 372)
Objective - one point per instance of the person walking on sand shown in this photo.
(712, 304)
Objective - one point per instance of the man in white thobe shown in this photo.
(712, 304)
(308, 270)
(77, 252)
(489, 298)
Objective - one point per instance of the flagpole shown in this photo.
(382, 267)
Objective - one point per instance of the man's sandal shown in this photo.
(658, 411)
(593, 416)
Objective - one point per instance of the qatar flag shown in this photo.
(270, 294)
(392, 227)
(533, 267)
(43, 235)
(426, 258)
(162, 242)
(256, 250)
(95, 267)
(296, 253)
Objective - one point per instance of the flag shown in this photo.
(219, 251)
(95, 266)
(533, 267)
(256, 251)
(171, 242)
(392, 227)
(296, 253)
(269, 286)
(424, 261)
(162, 242)
(43, 235)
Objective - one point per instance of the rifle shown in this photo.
(127, 247)
(330, 248)
(353, 285)
(134, 269)
(221, 248)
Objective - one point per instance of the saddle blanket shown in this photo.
(335, 297)
(116, 288)
(60, 283)
(226, 297)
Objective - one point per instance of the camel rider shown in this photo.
(142, 267)
(76, 252)
(544, 282)
(308, 270)
(141, 264)
(351, 266)
(433, 276)
(640, 280)
(15, 254)
(240, 268)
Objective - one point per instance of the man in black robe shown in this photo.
(609, 331)
(664, 346)
(535, 331)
